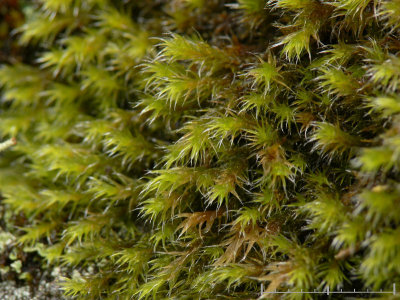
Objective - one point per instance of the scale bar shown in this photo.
(327, 292)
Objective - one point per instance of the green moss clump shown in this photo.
(194, 149)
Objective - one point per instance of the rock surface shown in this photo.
(45, 291)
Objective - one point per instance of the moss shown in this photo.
(198, 149)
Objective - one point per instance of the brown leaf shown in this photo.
(240, 239)
(199, 218)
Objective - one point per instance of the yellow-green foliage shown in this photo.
(196, 149)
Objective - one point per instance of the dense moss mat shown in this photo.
(194, 149)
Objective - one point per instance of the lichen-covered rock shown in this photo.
(45, 290)
(195, 149)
